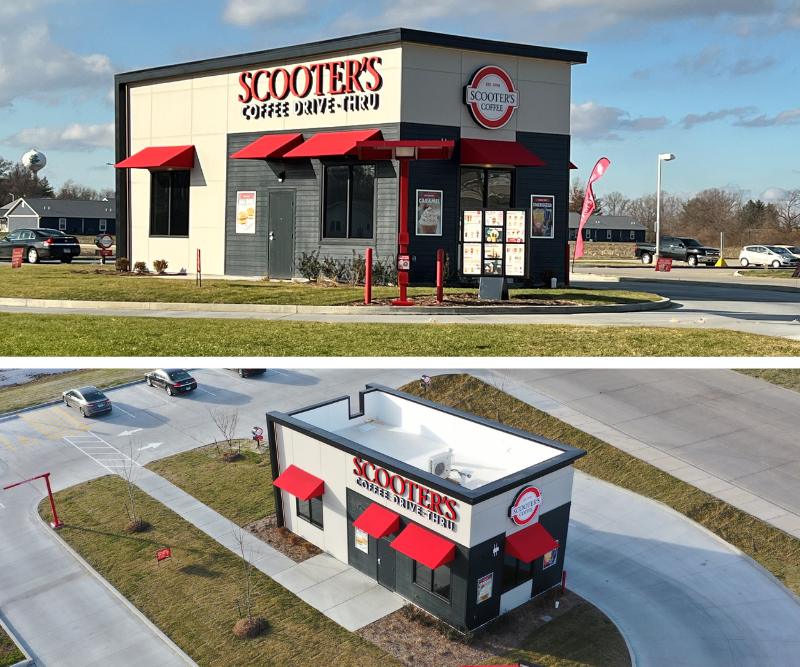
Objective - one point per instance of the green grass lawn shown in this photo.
(9, 653)
(784, 377)
(767, 273)
(774, 549)
(203, 474)
(107, 336)
(49, 387)
(192, 597)
(94, 283)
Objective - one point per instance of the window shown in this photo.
(62, 224)
(434, 581)
(349, 211)
(169, 203)
(515, 572)
(101, 226)
(587, 234)
(633, 235)
(486, 188)
(310, 510)
(609, 234)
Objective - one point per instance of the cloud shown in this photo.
(250, 12)
(693, 119)
(29, 55)
(788, 117)
(706, 61)
(594, 121)
(752, 65)
(75, 137)
(772, 195)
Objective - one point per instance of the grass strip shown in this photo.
(93, 283)
(239, 490)
(50, 387)
(788, 378)
(774, 549)
(192, 597)
(767, 273)
(84, 335)
(9, 651)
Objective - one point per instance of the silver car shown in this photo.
(766, 255)
(89, 400)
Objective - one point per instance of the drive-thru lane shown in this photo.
(650, 569)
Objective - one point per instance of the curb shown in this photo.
(27, 661)
(131, 607)
(15, 413)
(290, 309)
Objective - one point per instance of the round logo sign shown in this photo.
(525, 506)
(105, 241)
(491, 97)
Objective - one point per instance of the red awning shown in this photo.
(424, 546)
(530, 543)
(270, 146)
(332, 144)
(160, 157)
(487, 151)
(378, 521)
(437, 149)
(300, 483)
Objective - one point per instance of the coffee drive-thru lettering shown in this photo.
(464, 517)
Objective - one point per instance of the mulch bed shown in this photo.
(469, 299)
(289, 544)
(416, 638)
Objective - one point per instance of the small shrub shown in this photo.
(310, 266)
(122, 264)
(160, 265)
(247, 628)
(384, 272)
(358, 269)
(140, 268)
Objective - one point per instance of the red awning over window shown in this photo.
(300, 483)
(487, 151)
(378, 521)
(424, 149)
(270, 146)
(332, 144)
(424, 546)
(160, 157)
(530, 543)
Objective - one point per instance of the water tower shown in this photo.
(34, 160)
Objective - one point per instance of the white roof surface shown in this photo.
(414, 433)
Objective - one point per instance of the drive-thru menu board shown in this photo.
(493, 243)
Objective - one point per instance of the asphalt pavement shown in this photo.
(679, 594)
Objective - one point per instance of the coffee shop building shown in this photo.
(464, 517)
(259, 160)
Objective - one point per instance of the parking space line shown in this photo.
(95, 452)
(206, 391)
(124, 411)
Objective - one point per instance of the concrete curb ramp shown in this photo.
(292, 309)
(27, 661)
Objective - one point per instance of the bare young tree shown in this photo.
(248, 624)
(226, 423)
(789, 210)
(616, 203)
(129, 471)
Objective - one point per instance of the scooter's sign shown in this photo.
(525, 506)
(491, 97)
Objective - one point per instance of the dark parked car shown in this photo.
(173, 380)
(40, 244)
(680, 248)
(89, 400)
(250, 372)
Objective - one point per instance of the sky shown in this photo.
(712, 81)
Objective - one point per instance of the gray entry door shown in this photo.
(386, 564)
(280, 234)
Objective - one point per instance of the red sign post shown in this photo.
(664, 264)
(56, 523)
(163, 554)
(16, 257)
(199, 274)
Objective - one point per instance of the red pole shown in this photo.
(566, 265)
(368, 277)
(402, 236)
(563, 581)
(440, 275)
(56, 522)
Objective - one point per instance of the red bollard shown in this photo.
(439, 275)
(563, 581)
(368, 277)
(566, 266)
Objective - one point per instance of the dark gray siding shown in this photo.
(22, 222)
(617, 235)
(84, 226)
(547, 256)
(246, 254)
(556, 522)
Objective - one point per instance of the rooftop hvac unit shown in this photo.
(441, 463)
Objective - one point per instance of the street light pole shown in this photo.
(663, 157)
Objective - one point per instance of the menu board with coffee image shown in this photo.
(472, 254)
(515, 259)
(472, 227)
(515, 227)
(494, 218)
(494, 243)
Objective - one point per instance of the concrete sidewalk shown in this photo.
(334, 588)
(661, 439)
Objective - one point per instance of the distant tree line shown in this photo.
(706, 214)
(16, 180)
